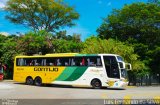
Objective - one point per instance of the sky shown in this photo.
(91, 17)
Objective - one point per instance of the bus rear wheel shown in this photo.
(29, 81)
(38, 81)
(96, 84)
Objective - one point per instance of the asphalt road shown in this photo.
(13, 90)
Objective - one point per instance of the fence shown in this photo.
(147, 80)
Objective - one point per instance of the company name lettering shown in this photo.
(46, 69)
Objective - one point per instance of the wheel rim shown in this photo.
(29, 81)
(97, 84)
(38, 82)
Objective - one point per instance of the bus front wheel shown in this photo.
(96, 84)
(38, 81)
(29, 81)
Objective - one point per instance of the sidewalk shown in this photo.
(5, 86)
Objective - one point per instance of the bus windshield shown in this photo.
(119, 58)
(124, 73)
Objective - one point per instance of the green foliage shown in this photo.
(8, 49)
(155, 61)
(64, 46)
(154, 1)
(35, 42)
(47, 15)
(137, 25)
(95, 45)
(2, 40)
(138, 22)
(63, 35)
(44, 42)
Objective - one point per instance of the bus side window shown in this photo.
(66, 64)
(58, 62)
(99, 63)
(31, 63)
(18, 61)
(48, 61)
(21, 62)
(91, 62)
(65, 61)
(73, 62)
(88, 62)
(78, 61)
(83, 62)
(43, 62)
(35, 62)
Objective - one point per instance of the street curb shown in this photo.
(6, 81)
(131, 86)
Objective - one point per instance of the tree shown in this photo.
(49, 15)
(34, 43)
(138, 25)
(95, 45)
(155, 61)
(67, 43)
(2, 40)
(138, 22)
(44, 42)
(7, 53)
(154, 1)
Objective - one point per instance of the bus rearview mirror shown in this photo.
(128, 66)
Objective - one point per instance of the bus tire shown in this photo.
(38, 81)
(96, 83)
(29, 81)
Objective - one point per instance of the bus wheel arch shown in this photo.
(96, 83)
(29, 80)
(38, 81)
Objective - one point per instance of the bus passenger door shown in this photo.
(111, 68)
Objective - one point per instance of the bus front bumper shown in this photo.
(118, 84)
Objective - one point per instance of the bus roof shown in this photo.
(63, 55)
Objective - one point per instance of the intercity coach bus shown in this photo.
(87, 70)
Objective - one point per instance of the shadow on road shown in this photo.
(68, 86)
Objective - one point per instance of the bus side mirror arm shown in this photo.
(121, 65)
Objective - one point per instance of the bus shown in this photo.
(73, 69)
